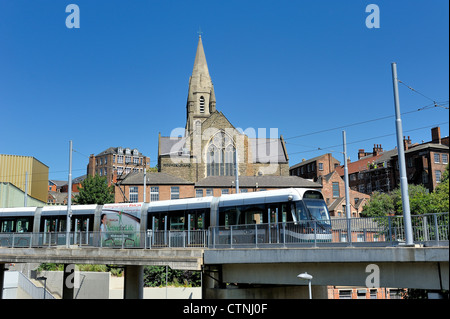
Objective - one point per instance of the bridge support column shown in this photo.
(68, 281)
(2, 278)
(134, 282)
(211, 279)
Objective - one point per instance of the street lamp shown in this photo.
(45, 283)
(308, 277)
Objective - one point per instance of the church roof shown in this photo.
(267, 150)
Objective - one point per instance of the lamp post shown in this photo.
(308, 277)
(45, 283)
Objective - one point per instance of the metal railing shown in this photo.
(428, 230)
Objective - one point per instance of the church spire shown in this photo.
(200, 65)
(201, 102)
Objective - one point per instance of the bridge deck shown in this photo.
(183, 258)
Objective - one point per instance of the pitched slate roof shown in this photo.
(158, 178)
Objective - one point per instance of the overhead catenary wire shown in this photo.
(319, 148)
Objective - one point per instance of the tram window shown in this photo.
(312, 195)
(285, 213)
(253, 214)
(7, 226)
(228, 216)
(54, 224)
(156, 221)
(273, 213)
(197, 218)
(177, 220)
(24, 225)
(301, 211)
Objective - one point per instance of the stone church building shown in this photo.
(202, 158)
(210, 146)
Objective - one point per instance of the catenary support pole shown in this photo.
(69, 197)
(237, 171)
(347, 192)
(401, 160)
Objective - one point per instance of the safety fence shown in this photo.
(428, 230)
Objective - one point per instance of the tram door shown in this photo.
(51, 226)
(274, 228)
(81, 226)
(196, 221)
(159, 230)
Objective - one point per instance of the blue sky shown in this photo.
(300, 66)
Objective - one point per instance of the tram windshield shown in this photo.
(312, 209)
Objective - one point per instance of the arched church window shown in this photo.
(202, 104)
(220, 156)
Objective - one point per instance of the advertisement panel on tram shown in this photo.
(120, 224)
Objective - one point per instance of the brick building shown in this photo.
(116, 162)
(333, 190)
(379, 170)
(163, 186)
(322, 169)
(315, 167)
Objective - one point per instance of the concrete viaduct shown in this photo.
(260, 272)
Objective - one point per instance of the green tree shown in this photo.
(421, 201)
(155, 276)
(95, 190)
(379, 205)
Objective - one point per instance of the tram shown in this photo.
(296, 214)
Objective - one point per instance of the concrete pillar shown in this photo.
(68, 281)
(2, 278)
(134, 282)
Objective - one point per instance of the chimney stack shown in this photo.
(406, 143)
(436, 135)
(377, 149)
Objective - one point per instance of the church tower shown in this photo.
(201, 101)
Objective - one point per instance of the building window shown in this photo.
(134, 194)
(335, 190)
(175, 192)
(202, 104)
(437, 158)
(444, 158)
(120, 159)
(345, 294)
(199, 192)
(410, 162)
(220, 156)
(154, 194)
(320, 166)
(225, 191)
(119, 170)
(438, 176)
(136, 160)
(209, 192)
(243, 190)
(127, 159)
